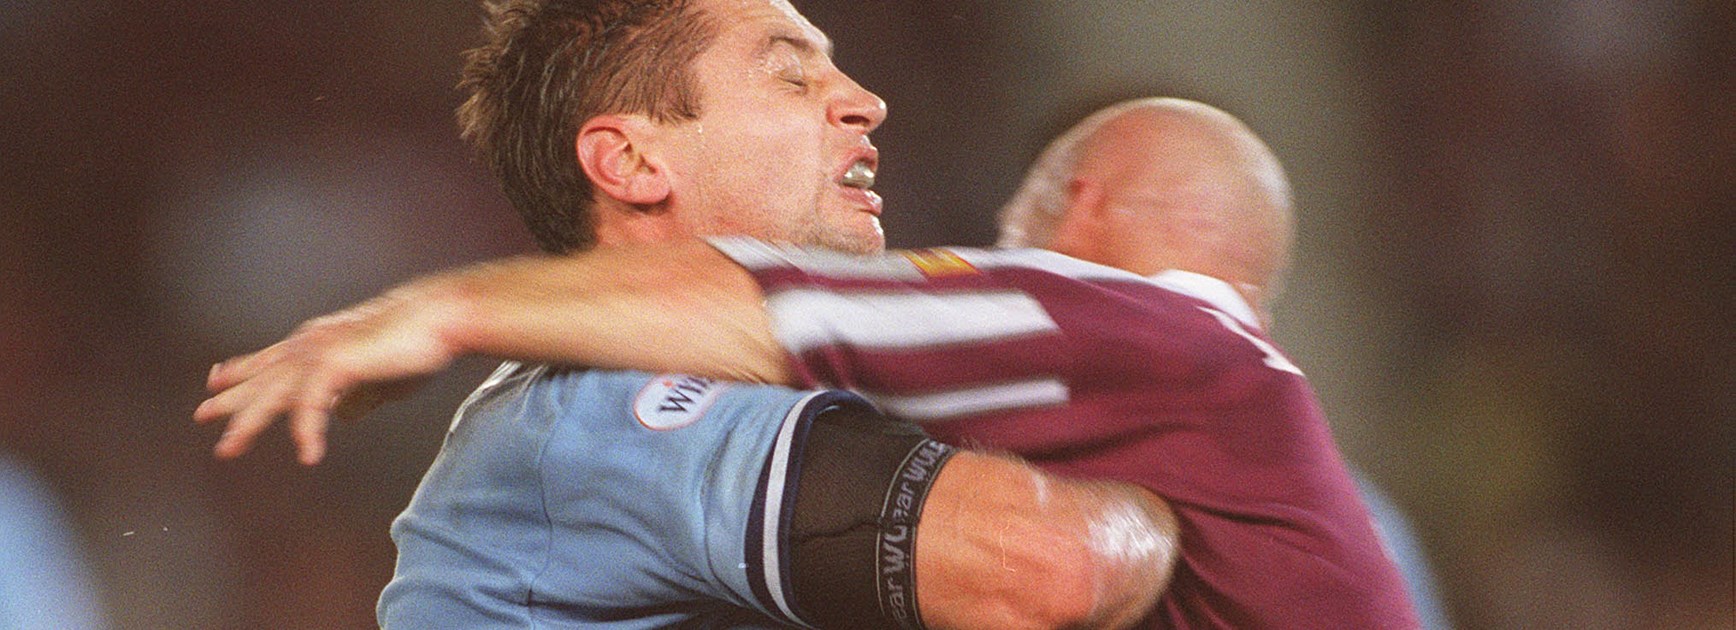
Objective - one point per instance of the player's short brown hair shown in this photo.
(546, 67)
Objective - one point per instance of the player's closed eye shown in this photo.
(793, 75)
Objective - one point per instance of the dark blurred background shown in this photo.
(1513, 289)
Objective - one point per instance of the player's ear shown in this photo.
(611, 150)
(1086, 200)
(1083, 218)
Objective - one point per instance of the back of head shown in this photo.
(546, 67)
(1178, 184)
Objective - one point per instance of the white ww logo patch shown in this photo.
(672, 401)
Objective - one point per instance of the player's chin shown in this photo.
(858, 234)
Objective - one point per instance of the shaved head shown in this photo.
(1158, 184)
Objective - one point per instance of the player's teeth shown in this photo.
(860, 175)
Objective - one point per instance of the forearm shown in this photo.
(680, 308)
(675, 308)
(1004, 546)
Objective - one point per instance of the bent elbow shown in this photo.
(1122, 564)
(1072, 594)
(1101, 579)
(1050, 553)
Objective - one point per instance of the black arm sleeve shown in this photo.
(859, 498)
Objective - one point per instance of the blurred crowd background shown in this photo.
(1513, 289)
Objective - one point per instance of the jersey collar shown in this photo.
(1212, 290)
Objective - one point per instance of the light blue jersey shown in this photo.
(597, 499)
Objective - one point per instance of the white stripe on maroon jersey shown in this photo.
(963, 402)
(760, 256)
(807, 319)
(894, 265)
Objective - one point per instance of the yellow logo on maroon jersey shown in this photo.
(939, 263)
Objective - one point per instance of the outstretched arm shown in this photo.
(680, 307)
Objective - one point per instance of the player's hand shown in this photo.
(343, 365)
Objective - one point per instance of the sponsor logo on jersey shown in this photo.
(939, 263)
(672, 401)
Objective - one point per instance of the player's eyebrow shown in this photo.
(801, 43)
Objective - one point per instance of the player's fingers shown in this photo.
(258, 412)
(312, 415)
(308, 427)
(226, 373)
(227, 402)
(240, 368)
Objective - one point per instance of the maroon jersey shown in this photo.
(1166, 382)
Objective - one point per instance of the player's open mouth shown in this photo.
(860, 175)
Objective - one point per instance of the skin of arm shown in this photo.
(609, 308)
(1002, 545)
(644, 303)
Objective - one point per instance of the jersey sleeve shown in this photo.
(607, 499)
(698, 477)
